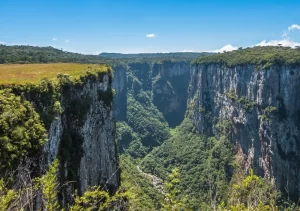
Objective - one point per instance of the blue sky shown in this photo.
(94, 26)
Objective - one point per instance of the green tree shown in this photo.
(49, 186)
(21, 131)
(254, 194)
(172, 201)
(7, 197)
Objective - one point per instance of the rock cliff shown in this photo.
(166, 83)
(78, 116)
(259, 110)
(82, 136)
(150, 95)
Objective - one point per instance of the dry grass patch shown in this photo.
(33, 73)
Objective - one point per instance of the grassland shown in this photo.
(33, 73)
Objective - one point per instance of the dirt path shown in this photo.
(157, 182)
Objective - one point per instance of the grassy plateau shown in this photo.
(33, 73)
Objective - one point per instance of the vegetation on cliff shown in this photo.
(47, 187)
(144, 126)
(264, 57)
(42, 84)
(144, 129)
(27, 108)
(22, 133)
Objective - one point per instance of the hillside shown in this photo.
(19, 54)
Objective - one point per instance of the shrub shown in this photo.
(21, 131)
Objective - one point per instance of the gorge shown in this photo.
(213, 116)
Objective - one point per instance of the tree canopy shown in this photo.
(261, 56)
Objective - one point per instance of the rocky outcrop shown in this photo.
(259, 111)
(82, 137)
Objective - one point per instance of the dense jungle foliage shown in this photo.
(46, 189)
(193, 153)
(146, 196)
(144, 129)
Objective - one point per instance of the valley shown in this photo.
(191, 131)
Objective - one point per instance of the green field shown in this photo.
(33, 73)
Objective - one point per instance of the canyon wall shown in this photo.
(165, 82)
(259, 110)
(79, 118)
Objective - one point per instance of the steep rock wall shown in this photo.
(81, 132)
(166, 83)
(120, 85)
(170, 90)
(243, 100)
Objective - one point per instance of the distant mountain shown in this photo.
(21, 54)
(175, 55)
(31, 54)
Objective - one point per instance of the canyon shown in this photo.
(207, 116)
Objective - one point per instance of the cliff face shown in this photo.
(82, 136)
(170, 90)
(120, 99)
(258, 110)
(165, 82)
(78, 116)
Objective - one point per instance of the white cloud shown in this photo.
(284, 42)
(187, 50)
(67, 41)
(151, 35)
(294, 26)
(54, 39)
(2, 43)
(226, 48)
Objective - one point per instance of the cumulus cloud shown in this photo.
(283, 42)
(293, 27)
(67, 41)
(151, 35)
(2, 43)
(226, 48)
(54, 39)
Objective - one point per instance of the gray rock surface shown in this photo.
(267, 142)
(82, 137)
(167, 82)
